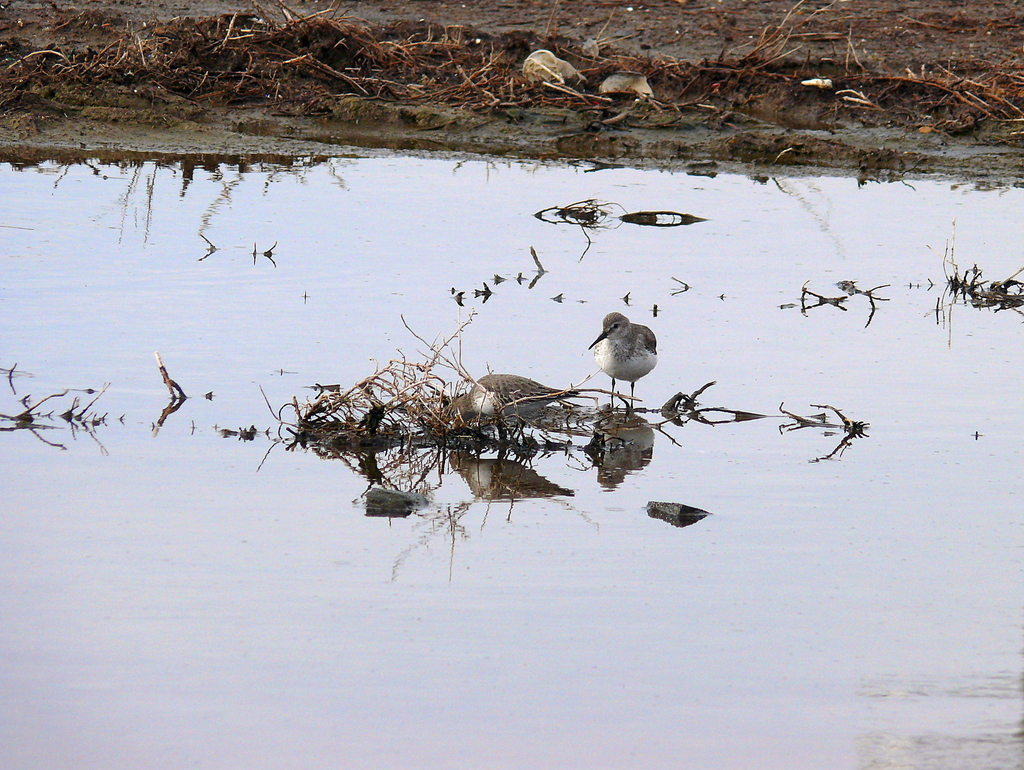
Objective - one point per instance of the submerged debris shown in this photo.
(591, 214)
(393, 503)
(970, 288)
(660, 218)
(242, 434)
(676, 514)
(594, 214)
(178, 396)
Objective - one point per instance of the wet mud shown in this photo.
(882, 90)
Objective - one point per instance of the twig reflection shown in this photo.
(851, 429)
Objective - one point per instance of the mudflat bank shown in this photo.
(879, 89)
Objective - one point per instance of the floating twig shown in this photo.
(536, 260)
(683, 286)
(210, 248)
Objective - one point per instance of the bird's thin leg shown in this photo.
(613, 392)
(629, 406)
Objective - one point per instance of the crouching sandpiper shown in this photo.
(507, 395)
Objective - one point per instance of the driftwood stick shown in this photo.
(177, 394)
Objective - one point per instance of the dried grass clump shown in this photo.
(401, 401)
(400, 398)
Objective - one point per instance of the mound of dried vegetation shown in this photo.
(303, 65)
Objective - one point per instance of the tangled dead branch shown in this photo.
(971, 287)
(77, 416)
(851, 289)
(684, 407)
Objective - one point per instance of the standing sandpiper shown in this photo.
(507, 395)
(625, 351)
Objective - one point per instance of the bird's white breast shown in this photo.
(621, 362)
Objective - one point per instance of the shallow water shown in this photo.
(176, 597)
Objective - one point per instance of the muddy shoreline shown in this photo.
(113, 81)
(870, 155)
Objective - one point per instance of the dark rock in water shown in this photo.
(676, 514)
(393, 503)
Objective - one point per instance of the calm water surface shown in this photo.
(177, 598)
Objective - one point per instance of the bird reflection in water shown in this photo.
(501, 478)
(622, 444)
